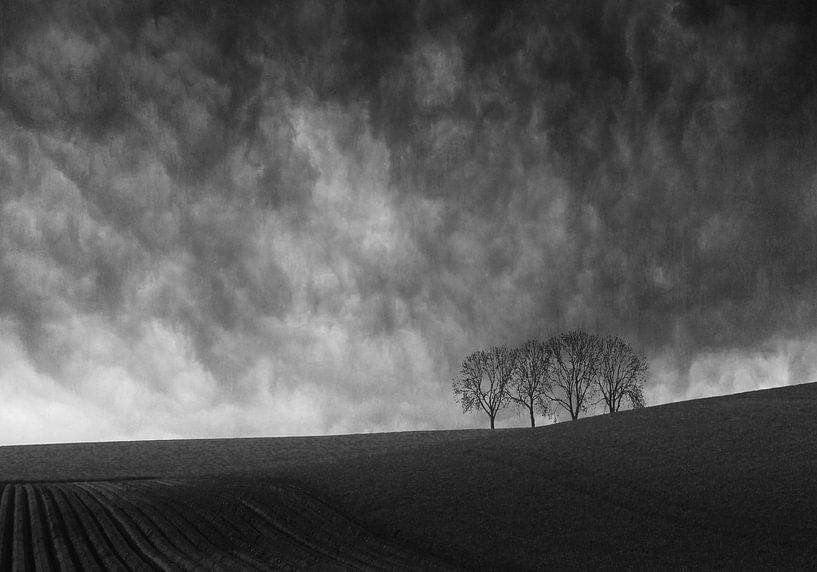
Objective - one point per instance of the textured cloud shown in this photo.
(250, 218)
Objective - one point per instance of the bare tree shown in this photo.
(622, 374)
(483, 381)
(573, 369)
(530, 377)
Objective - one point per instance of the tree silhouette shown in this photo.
(622, 373)
(573, 369)
(530, 377)
(483, 381)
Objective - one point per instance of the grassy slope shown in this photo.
(723, 481)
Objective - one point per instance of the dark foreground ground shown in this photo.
(725, 482)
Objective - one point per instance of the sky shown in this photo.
(223, 219)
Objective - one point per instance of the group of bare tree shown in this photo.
(571, 371)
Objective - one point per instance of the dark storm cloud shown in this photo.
(686, 130)
(318, 208)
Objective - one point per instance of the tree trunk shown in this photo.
(532, 420)
(492, 422)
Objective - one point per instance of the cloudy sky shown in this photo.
(248, 218)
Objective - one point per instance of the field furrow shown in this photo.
(216, 554)
(173, 532)
(219, 531)
(44, 559)
(182, 556)
(181, 525)
(87, 553)
(22, 558)
(260, 542)
(6, 526)
(191, 521)
(278, 542)
(322, 529)
(245, 539)
(342, 532)
(333, 530)
(294, 530)
(117, 537)
(87, 531)
(217, 536)
(130, 531)
(64, 549)
(273, 539)
(302, 538)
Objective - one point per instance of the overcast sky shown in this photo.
(229, 219)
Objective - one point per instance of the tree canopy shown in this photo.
(530, 379)
(572, 371)
(483, 381)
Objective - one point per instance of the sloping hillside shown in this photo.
(192, 524)
(726, 481)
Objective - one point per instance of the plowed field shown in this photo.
(192, 524)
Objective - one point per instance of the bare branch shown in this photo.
(574, 366)
(622, 374)
(483, 381)
(530, 379)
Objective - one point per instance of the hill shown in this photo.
(719, 482)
